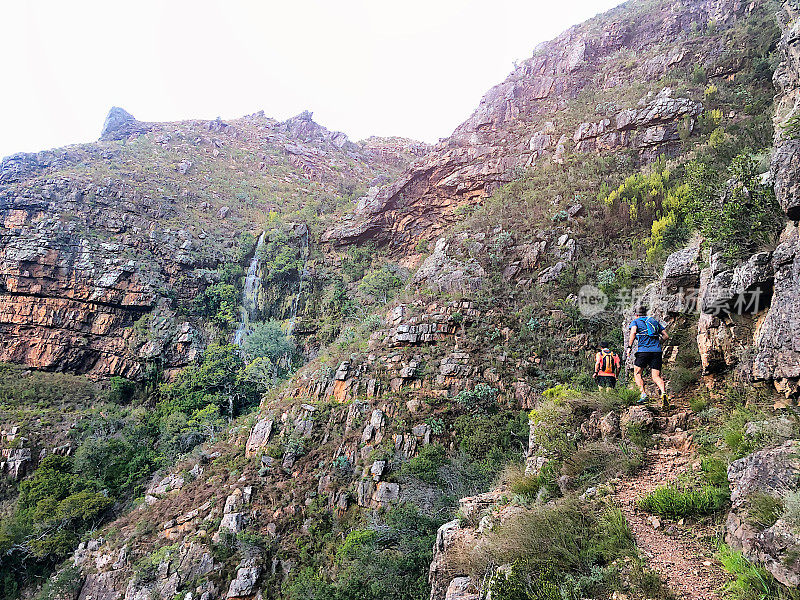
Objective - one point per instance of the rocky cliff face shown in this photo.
(97, 237)
(537, 112)
(778, 341)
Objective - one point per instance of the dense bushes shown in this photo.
(267, 340)
(220, 303)
(35, 389)
(426, 464)
(491, 437)
(381, 284)
(733, 209)
(214, 381)
(117, 446)
(282, 260)
(56, 505)
(387, 560)
(560, 550)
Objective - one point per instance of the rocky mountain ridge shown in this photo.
(527, 117)
(99, 236)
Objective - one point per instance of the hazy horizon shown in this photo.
(362, 68)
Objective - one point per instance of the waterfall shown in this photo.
(252, 283)
(304, 252)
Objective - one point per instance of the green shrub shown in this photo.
(682, 379)
(639, 435)
(357, 260)
(219, 302)
(55, 507)
(698, 404)
(216, 379)
(514, 583)
(65, 583)
(737, 218)
(751, 581)
(699, 74)
(715, 471)
(426, 464)
(436, 424)
(267, 340)
(557, 539)
(387, 561)
(146, 568)
(599, 461)
(492, 436)
(482, 396)
(627, 395)
(677, 502)
(381, 284)
(122, 390)
(641, 195)
(527, 486)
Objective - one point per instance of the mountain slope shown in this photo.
(445, 438)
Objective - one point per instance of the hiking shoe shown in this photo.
(643, 399)
(664, 401)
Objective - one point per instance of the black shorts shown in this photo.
(648, 359)
(606, 381)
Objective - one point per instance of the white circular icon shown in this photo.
(591, 300)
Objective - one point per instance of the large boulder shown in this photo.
(638, 417)
(246, 580)
(461, 588)
(681, 270)
(773, 472)
(259, 436)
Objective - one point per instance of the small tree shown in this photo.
(380, 284)
(267, 340)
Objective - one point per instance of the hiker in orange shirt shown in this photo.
(606, 367)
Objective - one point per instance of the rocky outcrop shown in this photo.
(749, 317)
(778, 340)
(775, 473)
(110, 574)
(443, 272)
(513, 128)
(120, 124)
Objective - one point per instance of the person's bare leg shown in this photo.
(659, 381)
(637, 377)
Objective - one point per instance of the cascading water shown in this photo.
(252, 283)
(295, 304)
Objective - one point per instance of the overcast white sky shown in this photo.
(415, 68)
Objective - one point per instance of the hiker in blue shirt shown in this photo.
(648, 333)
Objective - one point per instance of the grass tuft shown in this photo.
(676, 502)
